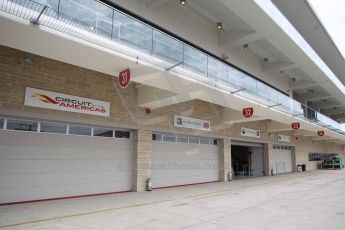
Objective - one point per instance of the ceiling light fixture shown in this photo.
(183, 2)
(245, 46)
(219, 25)
(265, 60)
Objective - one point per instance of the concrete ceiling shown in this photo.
(265, 43)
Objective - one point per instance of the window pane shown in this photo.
(169, 138)
(194, 140)
(204, 141)
(122, 134)
(53, 128)
(1, 123)
(79, 130)
(157, 137)
(183, 139)
(21, 125)
(215, 141)
(99, 132)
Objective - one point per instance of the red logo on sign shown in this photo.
(248, 112)
(321, 133)
(124, 78)
(295, 125)
(206, 125)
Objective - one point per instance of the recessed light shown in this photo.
(183, 2)
(245, 46)
(265, 60)
(219, 25)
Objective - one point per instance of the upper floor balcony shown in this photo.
(104, 26)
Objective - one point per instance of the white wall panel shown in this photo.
(184, 163)
(282, 161)
(41, 166)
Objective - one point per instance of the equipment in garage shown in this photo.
(281, 159)
(335, 162)
(247, 159)
(182, 160)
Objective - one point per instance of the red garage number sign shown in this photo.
(321, 133)
(295, 125)
(124, 78)
(248, 112)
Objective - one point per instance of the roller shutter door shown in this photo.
(282, 159)
(181, 160)
(35, 166)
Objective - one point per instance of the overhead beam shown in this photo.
(154, 4)
(305, 84)
(237, 37)
(278, 66)
(153, 98)
(333, 111)
(312, 97)
(273, 126)
(231, 116)
(325, 105)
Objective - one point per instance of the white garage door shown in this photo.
(182, 160)
(282, 159)
(35, 166)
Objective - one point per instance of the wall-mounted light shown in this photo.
(219, 25)
(183, 2)
(265, 60)
(28, 57)
(245, 46)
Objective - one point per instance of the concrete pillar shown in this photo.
(224, 146)
(142, 160)
(293, 158)
(268, 164)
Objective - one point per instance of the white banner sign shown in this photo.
(250, 132)
(58, 101)
(283, 138)
(191, 123)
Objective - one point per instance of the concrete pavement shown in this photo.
(313, 200)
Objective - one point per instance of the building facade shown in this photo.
(71, 126)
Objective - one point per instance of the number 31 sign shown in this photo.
(124, 78)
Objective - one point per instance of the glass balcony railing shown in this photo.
(107, 27)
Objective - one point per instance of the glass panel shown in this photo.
(236, 78)
(205, 141)
(52, 4)
(194, 140)
(262, 90)
(167, 47)
(183, 139)
(22, 125)
(122, 134)
(53, 128)
(91, 12)
(215, 141)
(2, 123)
(169, 138)
(250, 85)
(218, 71)
(100, 132)
(132, 31)
(156, 137)
(79, 130)
(194, 59)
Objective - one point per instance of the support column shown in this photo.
(224, 146)
(142, 160)
(268, 163)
